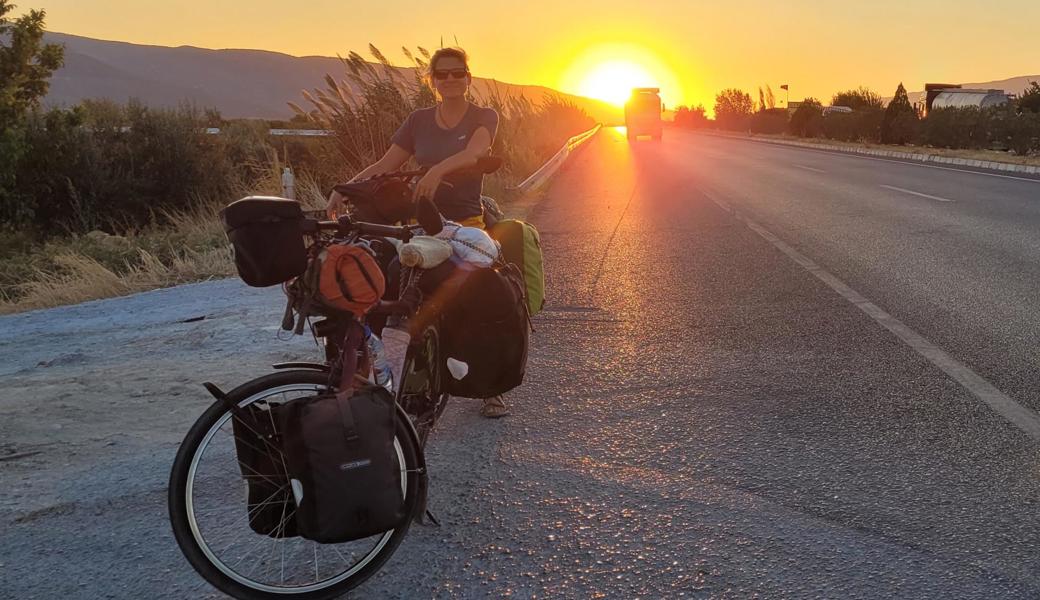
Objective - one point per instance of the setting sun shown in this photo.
(609, 71)
(613, 81)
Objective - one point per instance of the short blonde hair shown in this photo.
(454, 52)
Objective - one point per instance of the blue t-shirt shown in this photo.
(431, 144)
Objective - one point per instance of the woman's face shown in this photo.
(446, 77)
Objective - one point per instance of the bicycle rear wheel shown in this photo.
(208, 509)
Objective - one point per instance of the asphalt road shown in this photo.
(703, 416)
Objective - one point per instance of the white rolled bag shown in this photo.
(424, 252)
(471, 244)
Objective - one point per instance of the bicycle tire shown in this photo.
(178, 501)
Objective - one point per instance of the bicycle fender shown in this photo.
(302, 365)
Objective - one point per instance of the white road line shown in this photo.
(1018, 415)
(905, 191)
(813, 169)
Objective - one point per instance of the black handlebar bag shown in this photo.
(267, 236)
(343, 468)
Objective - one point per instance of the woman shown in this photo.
(444, 139)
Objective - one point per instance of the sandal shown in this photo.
(494, 408)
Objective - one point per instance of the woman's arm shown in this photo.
(479, 145)
(391, 161)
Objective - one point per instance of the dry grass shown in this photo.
(79, 278)
(192, 248)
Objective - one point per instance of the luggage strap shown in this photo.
(352, 341)
(469, 245)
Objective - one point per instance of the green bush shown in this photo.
(807, 120)
(955, 128)
(690, 118)
(110, 167)
(770, 121)
(859, 125)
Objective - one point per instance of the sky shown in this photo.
(689, 49)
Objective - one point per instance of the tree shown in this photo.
(690, 118)
(807, 119)
(26, 63)
(770, 98)
(858, 99)
(1030, 100)
(900, 123)
(25, 66)
(732, 109)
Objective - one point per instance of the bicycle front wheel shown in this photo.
(210, 513)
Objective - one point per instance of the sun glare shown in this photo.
(613, 81)
(609, 71)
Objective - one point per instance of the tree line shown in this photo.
(1013, 126)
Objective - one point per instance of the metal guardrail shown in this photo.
(542, 175)
(285, 132)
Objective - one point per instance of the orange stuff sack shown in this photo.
(350, 279)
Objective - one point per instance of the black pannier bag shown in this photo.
(267, 237)
(486, 326)
(269, 499)
(343, 468)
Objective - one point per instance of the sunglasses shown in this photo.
(454, 73)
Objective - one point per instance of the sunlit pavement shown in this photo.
(702, 416)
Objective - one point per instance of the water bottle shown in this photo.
(380, 366)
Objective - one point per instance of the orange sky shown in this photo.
(689, 49)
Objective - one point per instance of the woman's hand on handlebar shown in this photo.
(427, 186)
(336, 205)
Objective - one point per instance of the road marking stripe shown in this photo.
(905, 191)
(1020, 416)
(901, 162)
(814, 169)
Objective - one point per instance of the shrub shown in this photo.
(690, 118)
(859, 125)
(807, 120)
(861, 98)
(955, 128)
(770, 121)
(104, 166)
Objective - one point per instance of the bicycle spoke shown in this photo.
(250, 513)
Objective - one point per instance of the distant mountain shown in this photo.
(1014, 85)
(238, 83)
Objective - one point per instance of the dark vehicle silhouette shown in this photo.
(643, 113)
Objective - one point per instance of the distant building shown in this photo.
(836, 109)
(941, 95)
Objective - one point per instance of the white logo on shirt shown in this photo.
(462, 137)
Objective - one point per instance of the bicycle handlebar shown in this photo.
(346, 225)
